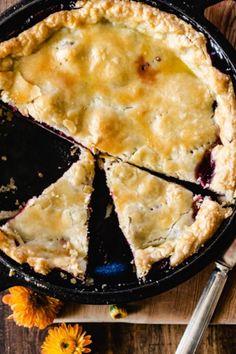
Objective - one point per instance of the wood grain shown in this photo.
(172, 307)
(223, 16)
(147, 339)
(119, 338)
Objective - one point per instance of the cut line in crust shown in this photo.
(158, 218)
(131, 81)
(52, 230)
(134, 82)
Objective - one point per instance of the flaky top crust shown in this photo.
(51, 231)
(188, 45)
(157, 217)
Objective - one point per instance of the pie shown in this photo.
(160, 219)
(52, 231)
(129, 81)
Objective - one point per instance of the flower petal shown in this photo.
(31, 309)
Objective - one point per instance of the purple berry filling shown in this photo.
(205, 170)
(197, 201)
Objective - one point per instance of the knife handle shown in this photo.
(204, 311)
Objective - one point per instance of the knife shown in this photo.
(207, 303)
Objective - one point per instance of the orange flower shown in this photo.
(31, 309)
(66, 340)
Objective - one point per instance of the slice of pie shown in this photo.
(160, 219)
(52, 230)
(131, 81)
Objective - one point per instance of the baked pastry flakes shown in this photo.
(131, 81)
(160, 219)
(136, 83)
(52, 230)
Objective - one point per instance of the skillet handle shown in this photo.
(204, 311)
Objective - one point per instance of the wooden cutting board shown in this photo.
(174, 306)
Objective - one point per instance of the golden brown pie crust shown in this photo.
(141, 108)
(52, 230)
(128, 80)
(157, 217)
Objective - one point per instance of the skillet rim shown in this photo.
(188, 268)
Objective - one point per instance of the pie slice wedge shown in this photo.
(131, 81)
(160, 219)
(52, 230)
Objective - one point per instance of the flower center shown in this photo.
(38, 300)
(68, 346)
(64, 345)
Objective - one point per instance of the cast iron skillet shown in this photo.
(31, 149)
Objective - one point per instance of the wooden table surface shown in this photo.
(126, 338)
